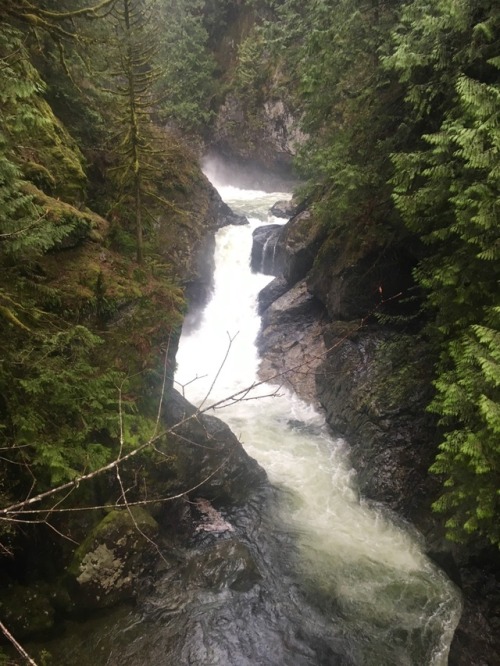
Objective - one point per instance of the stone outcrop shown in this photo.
(267, 135)
(286, 208)
(192, 249)
(299, 242)
(265, 257)
(205, 455)
(271, 293)
(290, 341)
(374, 385)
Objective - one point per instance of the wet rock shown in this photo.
(299, 243)
(224, 216)
(199, 260)
(290, 341)
(271, 293)
(112, 562)
(227, 563)
(207, 455)
(374, 385)
(353, 276)
(285, 208)
(265, 258)
(270, 139)
(477, 638)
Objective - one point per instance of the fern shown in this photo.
(449, 192)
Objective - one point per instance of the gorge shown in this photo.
(264, 432)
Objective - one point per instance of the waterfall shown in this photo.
(396, 606)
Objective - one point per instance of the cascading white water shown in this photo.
(400, 606)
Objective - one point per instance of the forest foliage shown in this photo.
(87, 174)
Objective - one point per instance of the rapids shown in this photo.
(390, 598)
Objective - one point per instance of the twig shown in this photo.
(17, 645)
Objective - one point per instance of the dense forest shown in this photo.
(105, 109)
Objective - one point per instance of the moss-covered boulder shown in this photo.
(112, 562)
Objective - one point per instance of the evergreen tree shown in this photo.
(135, 73)
(186, 87)
(448, 191)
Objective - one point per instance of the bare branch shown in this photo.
(17, 645)
(226, 355)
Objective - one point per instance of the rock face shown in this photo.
(207, 456)
(196, 256)
(271, 293)
(285, 208)
(267, 135)
(299, 242)
(265, 257)
(290, 341)
(371, 385)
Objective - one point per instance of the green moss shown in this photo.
(53, 159)
(115, 526)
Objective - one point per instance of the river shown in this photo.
(393, 605)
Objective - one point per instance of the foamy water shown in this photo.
(387, 588)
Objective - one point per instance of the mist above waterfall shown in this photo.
(245, 174)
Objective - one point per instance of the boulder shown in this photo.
(285, 208)
(290, 341)
(199, 244)
(225, 563)
(299, 242)
(271, 293)
(224, 215)
(206, 456)
(113, 561)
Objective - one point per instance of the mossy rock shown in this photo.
(109, 565)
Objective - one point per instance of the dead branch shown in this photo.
(17, 645)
